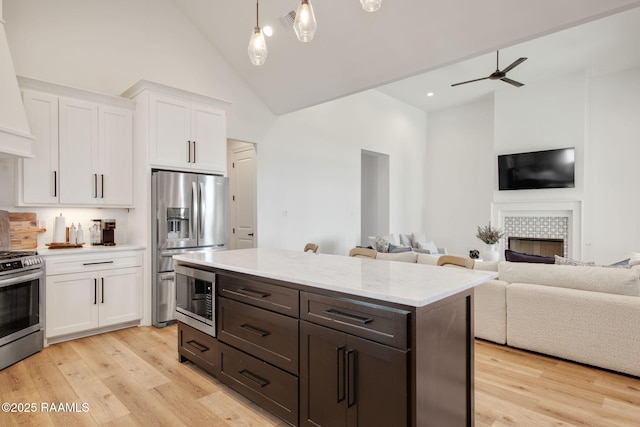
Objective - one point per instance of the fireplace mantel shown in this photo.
(571, 210)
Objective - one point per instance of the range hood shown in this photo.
(15, 136)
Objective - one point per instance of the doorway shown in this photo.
(374, 195)
(242, 194)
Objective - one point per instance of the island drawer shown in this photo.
(272, 297)
(270, 336)
(273, 389)
(385, 325)
(198, 347)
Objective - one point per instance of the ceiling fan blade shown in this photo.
(513, 82)
(469, 81)
(514, 64)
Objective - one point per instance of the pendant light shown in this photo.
(371, 5)
(305, 23)
(257, 45)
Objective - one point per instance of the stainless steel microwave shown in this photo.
(195, 298)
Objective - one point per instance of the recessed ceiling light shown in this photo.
(430, 94)
(267, 30)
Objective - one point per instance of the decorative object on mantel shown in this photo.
(490, 237)
(474, 254)
(24, 230)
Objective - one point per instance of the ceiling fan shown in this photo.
(499, 74)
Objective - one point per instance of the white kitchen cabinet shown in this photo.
(185, 131)
(90, 293)
(84, 148)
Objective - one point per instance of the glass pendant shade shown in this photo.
(257, 47)
(371, 5)
(305, 24)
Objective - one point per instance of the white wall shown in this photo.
(309, 171)
(540, 116)
(459, 175)
(611, 203)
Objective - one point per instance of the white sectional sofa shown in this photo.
(587, 314)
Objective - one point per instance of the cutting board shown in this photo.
(24, 230)
(5, 231)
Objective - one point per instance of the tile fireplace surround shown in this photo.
(545, 220)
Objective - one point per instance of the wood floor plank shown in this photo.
(132, 377)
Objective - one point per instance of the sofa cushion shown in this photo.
(514, 256)
(400, 256)
(588, 278)
(429, 246)
(486, 265)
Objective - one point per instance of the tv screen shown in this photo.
(538, 169)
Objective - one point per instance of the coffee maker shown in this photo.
(103, 232)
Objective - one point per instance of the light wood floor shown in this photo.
(132, 377)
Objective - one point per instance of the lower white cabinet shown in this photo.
(104, 292)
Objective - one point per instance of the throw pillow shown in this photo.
(430, 246)
(405, 239)
(418, 237)
(568, 261)
(514, 256)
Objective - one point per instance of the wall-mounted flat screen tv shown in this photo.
(537, 169)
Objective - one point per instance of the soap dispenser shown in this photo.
(79, 235)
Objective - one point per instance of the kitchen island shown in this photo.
(331, 340)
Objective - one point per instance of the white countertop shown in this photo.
(409, 284)
(87, 249)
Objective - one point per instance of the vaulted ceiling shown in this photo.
(410, 47)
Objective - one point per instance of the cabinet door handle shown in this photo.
(348, 316)
(55, 183)
(201, 348)
(95, 291)
(252, 293)
(194, 152)
(255, 330)
(188, 151)
(253, 377)
(102, 290)
(102, 186)
(341, 377)
(95, 185)
(352, 377)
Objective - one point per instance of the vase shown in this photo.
(491, 252)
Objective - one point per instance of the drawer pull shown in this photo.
(97, 263)
(253, 377)
(252, 293)
(348, 316)
(197, 345)
(255, 330)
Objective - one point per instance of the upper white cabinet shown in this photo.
(184, 130)
(83, 148)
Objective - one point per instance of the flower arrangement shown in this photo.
(489, 235)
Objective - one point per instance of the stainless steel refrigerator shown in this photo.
(189, 214)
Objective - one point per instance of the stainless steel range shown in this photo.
(21, 306)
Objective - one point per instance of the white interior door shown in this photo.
(242, 194)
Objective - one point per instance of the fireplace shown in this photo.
(556, 222)
(537, 246)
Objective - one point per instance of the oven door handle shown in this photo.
(21, 278)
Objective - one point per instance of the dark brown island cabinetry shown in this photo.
(316, 357)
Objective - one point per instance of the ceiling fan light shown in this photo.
(257, 47)
(371, 5)
(305, 24)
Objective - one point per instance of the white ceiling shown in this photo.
(410, 47)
